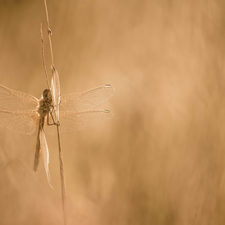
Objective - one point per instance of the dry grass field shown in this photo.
(161, 159)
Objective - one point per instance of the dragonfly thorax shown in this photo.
(45, 104)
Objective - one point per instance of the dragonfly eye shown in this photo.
(49, 96)
(46, 94)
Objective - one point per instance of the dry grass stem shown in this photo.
(62, 175)
(49, 33)
(43, 57)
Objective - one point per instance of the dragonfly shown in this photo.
(25, 114)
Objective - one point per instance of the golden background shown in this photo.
(161, 159)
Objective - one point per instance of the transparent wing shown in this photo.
(24, 122)
(55, 89)
(86, 100)
(15, 100)
(71, 121)
(45, 155)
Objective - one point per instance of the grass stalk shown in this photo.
(62, 174)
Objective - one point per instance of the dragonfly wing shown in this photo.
(24, 122)
(86, 100)
(71, 121)
(55, 89)
(45, 155)
(15, 100)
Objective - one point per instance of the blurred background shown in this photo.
(161, 159)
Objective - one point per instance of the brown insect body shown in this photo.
(45, 107)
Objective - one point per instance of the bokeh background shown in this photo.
(161, 159)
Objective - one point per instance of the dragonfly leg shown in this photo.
(49, 124)
(54, 123)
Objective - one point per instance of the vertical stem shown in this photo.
(43, 57)
(49, 33)
(63, 184)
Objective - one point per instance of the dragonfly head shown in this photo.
(47, 94)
